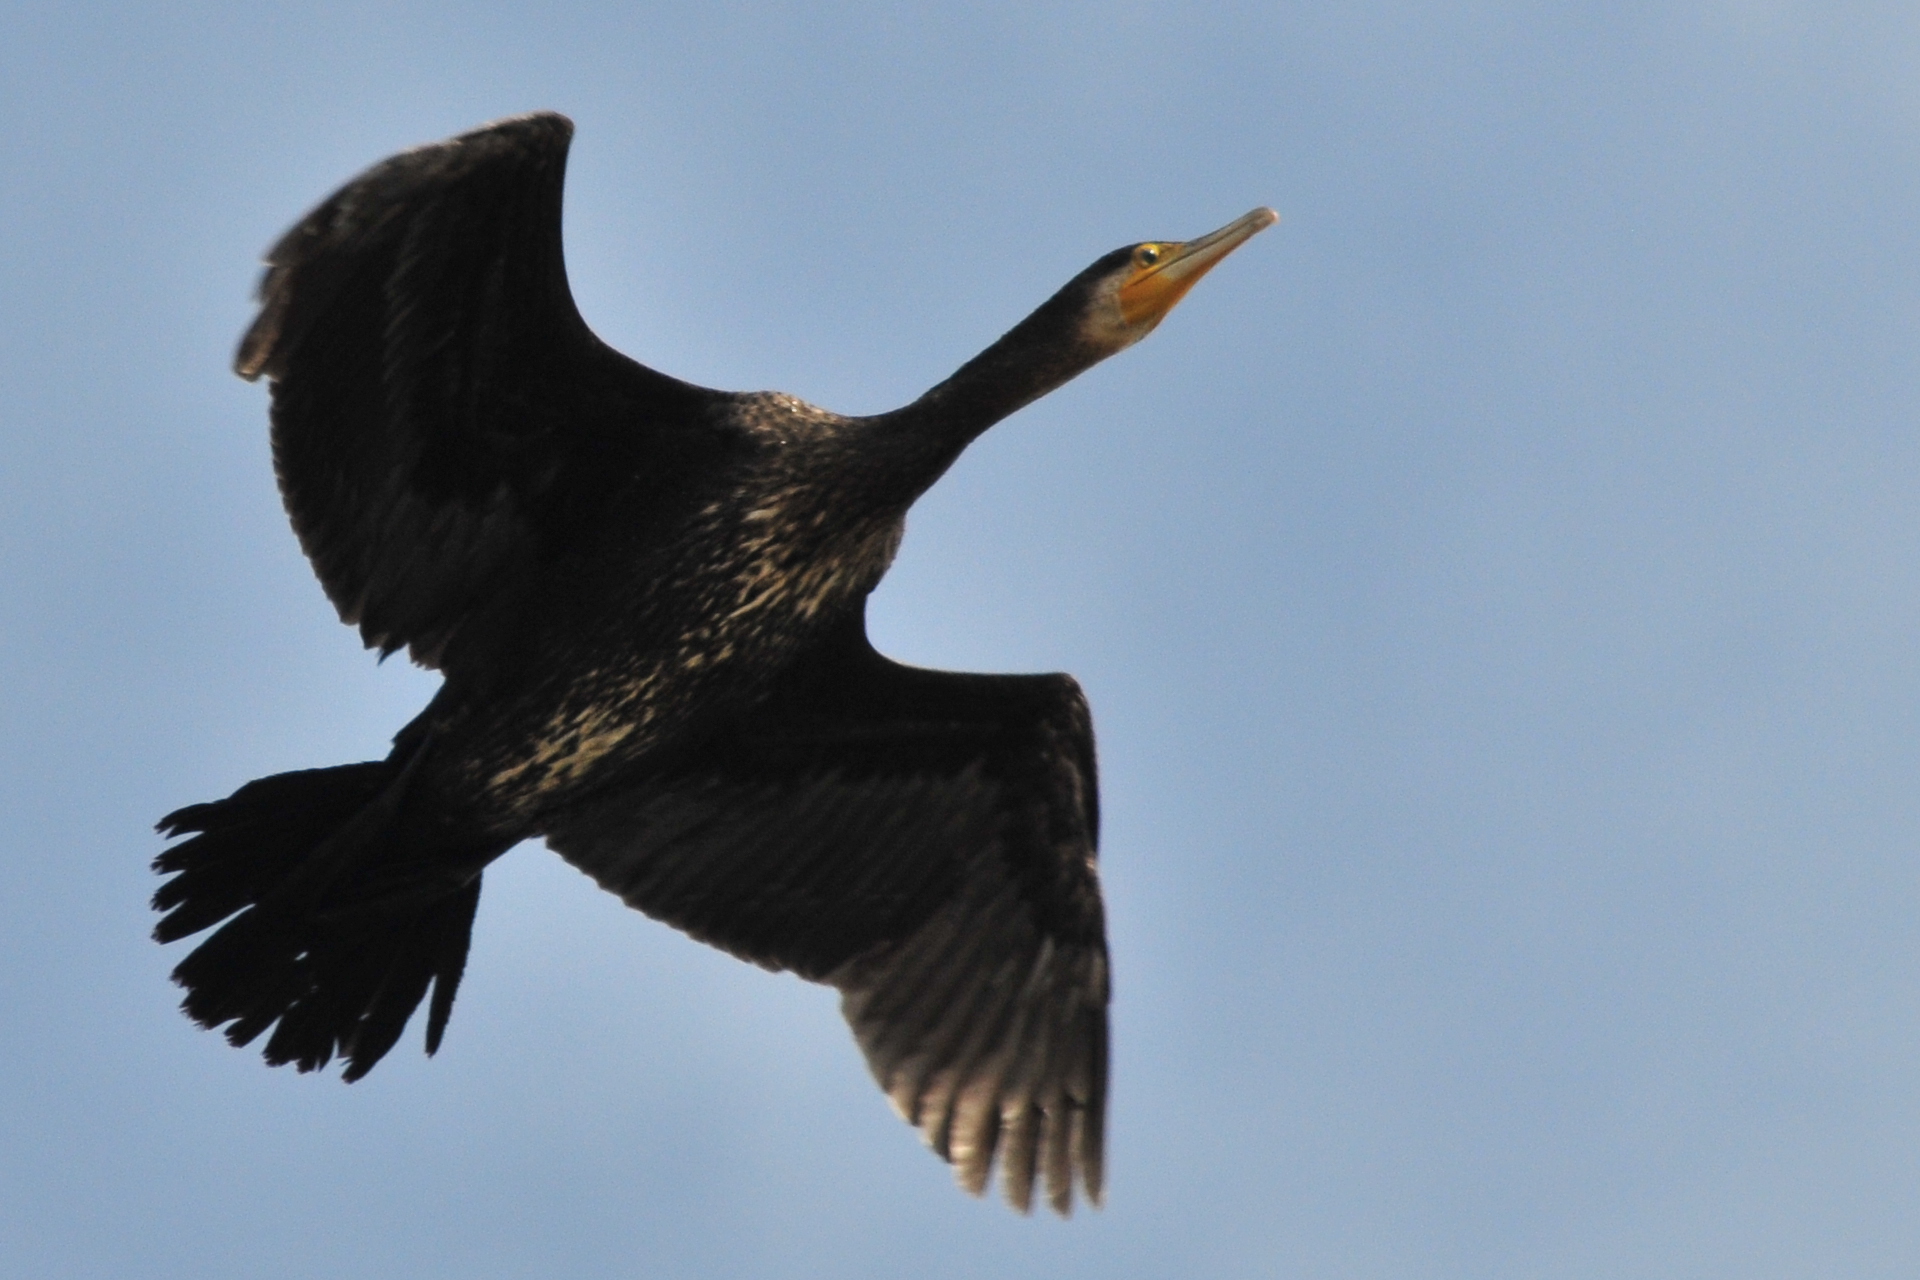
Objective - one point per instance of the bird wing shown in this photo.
(445, 425)
(925, 842)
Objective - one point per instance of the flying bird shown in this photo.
(647, 600)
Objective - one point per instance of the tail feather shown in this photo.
(252, 842)
(336, 923)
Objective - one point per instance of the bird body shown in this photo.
(647, 599)
(742, 573)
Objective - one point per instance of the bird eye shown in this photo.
(1146, 255)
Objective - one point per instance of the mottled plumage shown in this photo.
(647, 602)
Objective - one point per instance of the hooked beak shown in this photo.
(1146, 299)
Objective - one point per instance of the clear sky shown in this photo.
(1498, 589)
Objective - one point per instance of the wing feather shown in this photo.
(445, 426)
(925, 842)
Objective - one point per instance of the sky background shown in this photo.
(1497, 587)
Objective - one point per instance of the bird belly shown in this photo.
(706, 649)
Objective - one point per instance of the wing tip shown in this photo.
(533, 129)
(256, 346)
(543, 136)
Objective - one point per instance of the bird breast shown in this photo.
(762, 570)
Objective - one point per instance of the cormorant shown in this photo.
(648, 602)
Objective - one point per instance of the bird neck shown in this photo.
(1046, 350)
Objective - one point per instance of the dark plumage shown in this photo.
(647, 601)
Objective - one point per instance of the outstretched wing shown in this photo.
(924, 841)
(445, 426)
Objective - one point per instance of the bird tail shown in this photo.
(344, 916)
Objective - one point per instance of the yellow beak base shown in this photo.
(1153, 290)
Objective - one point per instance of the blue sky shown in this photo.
(1497, 587)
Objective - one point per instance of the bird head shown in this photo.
(1106, 308)
(1132, 289)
